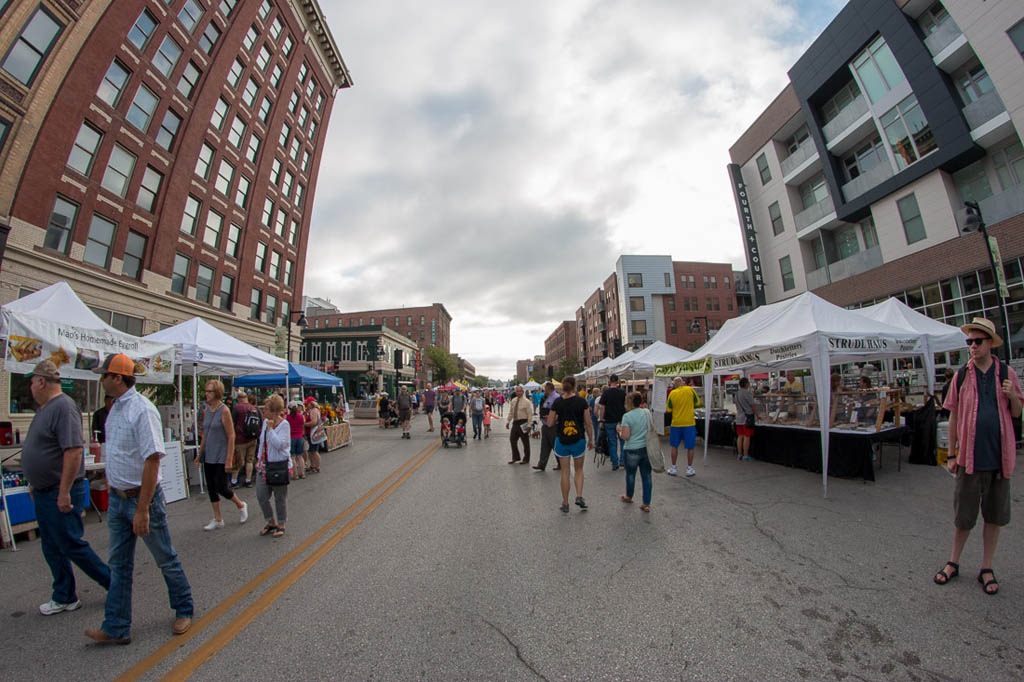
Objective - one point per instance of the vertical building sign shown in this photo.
(739, 189)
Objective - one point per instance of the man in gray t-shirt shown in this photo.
(52, 459)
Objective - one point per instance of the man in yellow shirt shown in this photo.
(681, 403)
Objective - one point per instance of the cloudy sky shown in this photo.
(497, 157)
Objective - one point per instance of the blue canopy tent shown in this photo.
(297, 374)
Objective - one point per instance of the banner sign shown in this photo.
(739, 189)
(684, 368)
(76, 351)
(866, 345)
(997, 260)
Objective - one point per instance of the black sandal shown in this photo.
(986, 583)
(941, 578)
(268, 529)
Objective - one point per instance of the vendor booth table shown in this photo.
(851, 454)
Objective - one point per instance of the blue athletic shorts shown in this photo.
(577, 449)
(687, 435)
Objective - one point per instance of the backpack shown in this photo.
(961, 375)
(251, 424)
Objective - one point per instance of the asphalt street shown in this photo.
(406, 561)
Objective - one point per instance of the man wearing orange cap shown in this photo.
(134, 448)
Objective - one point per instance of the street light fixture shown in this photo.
(975, 221)
(302, 324)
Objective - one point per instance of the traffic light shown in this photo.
(618, 347)
(398, 359)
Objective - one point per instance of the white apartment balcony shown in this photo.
(848, 267)
(865, 181)
(997, 207)
(850, 126)
(799, 166)
(988, 120)
(949, 47)
(815, 216)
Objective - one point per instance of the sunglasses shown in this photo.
(977, 340)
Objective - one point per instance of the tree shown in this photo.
(480, 381)
(442, 362)
(568, 366)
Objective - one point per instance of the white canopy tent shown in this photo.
(596, 367)
(643, 362)
(793, 334)
(531, 385)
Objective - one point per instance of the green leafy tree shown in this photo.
(480, 381)
(442, 362)
(569, 365)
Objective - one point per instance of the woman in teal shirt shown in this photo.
(633, 430)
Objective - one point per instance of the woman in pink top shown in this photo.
(296, 420)
(487, 420)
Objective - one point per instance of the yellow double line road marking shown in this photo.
(209, 648)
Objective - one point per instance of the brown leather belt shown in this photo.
(126, 494)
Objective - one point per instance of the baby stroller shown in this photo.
(453, 429)
(392, 418)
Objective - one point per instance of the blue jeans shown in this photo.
(638, 459)
(117, 621)
(61, 536)
(614, 443)
(478, 424)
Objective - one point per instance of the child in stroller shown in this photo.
(453, 429)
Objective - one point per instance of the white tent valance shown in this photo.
(215, 352)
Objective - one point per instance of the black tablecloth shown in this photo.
(850, 454)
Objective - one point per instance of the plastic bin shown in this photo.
(20, 507)
(99, 495)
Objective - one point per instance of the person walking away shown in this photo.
(572, 417)
(247, 430)
(683, 429)
(297, 441)
(983, 400)
(594, 402)
(547, 433)
(429, 402)
(312, 420)
(476, 408)
(613, 406)
(633, 430)
(501, 404)
(276, 443)
(746, 417)
(51, 457)
(383, 410)
(404, 410)
(488, 415)
(217, 450)
(137, 509)
(536, 396)
(519, 413)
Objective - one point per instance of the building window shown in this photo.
(708, 304)
(263, 58)
(286, 130)
(303, 117)
(227, 289)
(974, 83)
(300, 195)
(190, 217)
(726, 280)
(225, 174)
(148, 190)
(235, 74)
(707, 282)
(190, 15)
(214, 224)
(346, 352)
(1009, 163)
(296, 146)
(251, 37)
(234, 236)
(204, 283)
(813, 191)
(686, 304)
(839, 101)
(261, 256)
(293, 233)
(279, 223)
(265, 109)
(786, 268)
(140, 113)
(286, 47)
(270, 310)
(275, 76)
(867, 228)
(714, 282)
(1017, 36)
(268, 212)
(168, 129)
(671, 304)
(636, 303)
(119, 170)
(142, 30)
(134, 251)
(908, 147)
(319, 101)
(84, 149)
(227, 7)
(877, 69)
(373, 320)
(179, 277)
(275, 171)
(305, 160)
(253, 150)
(673, 328)
(847, 241)
(113, 83)
(220, 112)
(275, 28)
(639, 327)
(634, 280)
(252, 88)
(763, 170)
(668, 280)
(189, 78)
(864, 159)
(288, 273)
(910, 215)
(209, 38)
(255, 298)
(236, 132)
(204, 161)
(242, 192)
(310, 88)
(97, 246)
(275, 266)
(61, 225)
(286, 187)
(167, 56)
(265, 8)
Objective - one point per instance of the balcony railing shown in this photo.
(865, 181)
(848, 267)
(845, 118)
(943, 36)
(814, 213)
(997, 207)
(983, 110)
(805, 151)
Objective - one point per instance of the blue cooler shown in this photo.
(20, 506)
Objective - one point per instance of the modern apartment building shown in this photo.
(852, 183)
(162, 155)
(561, 343)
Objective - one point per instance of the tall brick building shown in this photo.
(162, 155)
(561, 343)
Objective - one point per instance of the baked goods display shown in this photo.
(25, 348)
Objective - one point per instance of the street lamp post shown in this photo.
(975, 221)
(301, 322)
(695, 327)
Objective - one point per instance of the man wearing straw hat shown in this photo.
(983, 398)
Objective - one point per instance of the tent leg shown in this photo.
(181, 427)
(195, 417)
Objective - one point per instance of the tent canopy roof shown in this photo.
(297, 374)
(55, 302)
(941, 336)
(217, 352)
(658, 353)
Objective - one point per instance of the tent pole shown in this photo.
(708, 379)
(195, 416)
(287, 389)
(181, 425)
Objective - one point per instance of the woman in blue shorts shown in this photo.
(571, 417)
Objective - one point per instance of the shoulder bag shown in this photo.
(276, 473)
(654, 455)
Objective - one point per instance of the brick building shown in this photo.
(162, 155)
(561, 343)
(705, 298)
(368, 358)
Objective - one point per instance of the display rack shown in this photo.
(864, 409)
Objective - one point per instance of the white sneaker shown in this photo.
(51, 607)
(672, 471)
(245, 513)
(214, 524)
(690, 472)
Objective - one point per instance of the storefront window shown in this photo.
(969, 283)
(914, 298)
